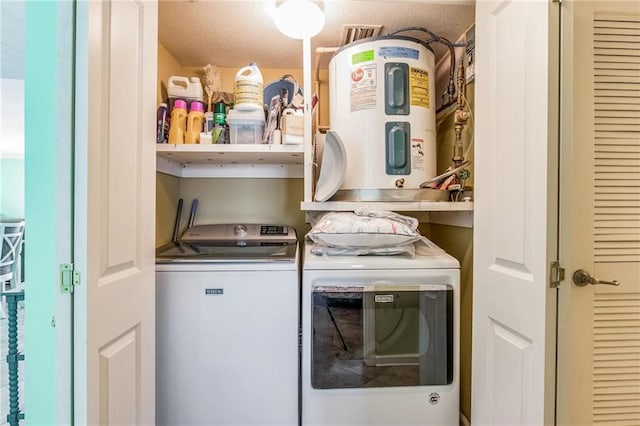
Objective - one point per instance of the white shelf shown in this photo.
(407, 206)
(231, 160)
(441, 212)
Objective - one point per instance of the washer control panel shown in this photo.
(249, 234)
(274, 230)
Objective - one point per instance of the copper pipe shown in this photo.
(460, 117)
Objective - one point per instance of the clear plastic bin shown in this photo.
(245, 127)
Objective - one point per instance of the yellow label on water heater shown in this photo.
(419, 87)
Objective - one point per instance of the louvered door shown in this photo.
(599, 334)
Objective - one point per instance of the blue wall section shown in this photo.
(41, 187)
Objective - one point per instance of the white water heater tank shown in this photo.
(382, 106)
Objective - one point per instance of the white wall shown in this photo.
(12, 109)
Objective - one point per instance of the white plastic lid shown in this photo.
(245, 117)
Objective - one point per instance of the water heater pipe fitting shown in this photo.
(460, 117)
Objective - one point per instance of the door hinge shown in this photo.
(556, 276)
(69, 278)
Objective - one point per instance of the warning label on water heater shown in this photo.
(363, 87)
(417, 154)
(398, 52)
(419, 87)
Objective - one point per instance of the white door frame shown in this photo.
(80, 296)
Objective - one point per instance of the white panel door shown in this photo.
(115, 205)
(599, 325)
(515, 213)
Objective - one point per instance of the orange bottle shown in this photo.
(194, 122)
(178, 122)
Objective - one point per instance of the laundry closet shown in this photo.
(527, 353)
(269, 187)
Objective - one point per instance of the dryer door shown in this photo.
(379, 336)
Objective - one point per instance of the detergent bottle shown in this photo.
(162, 124)
(178, 122)
(179, 87)
(194, 122)
(248, 89)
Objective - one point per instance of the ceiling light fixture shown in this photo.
(299, 19)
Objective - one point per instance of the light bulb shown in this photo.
(299, 18)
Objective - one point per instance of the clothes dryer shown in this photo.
(380, 339)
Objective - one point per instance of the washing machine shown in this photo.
(380, 339)
(227, 327)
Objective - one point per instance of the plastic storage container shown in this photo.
(245, 126)
(292, 125)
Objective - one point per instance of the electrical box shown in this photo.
(470, 54)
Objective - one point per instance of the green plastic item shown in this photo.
(219, 113)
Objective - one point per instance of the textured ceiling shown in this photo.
(232, 33)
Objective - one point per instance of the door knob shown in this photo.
(581, 278)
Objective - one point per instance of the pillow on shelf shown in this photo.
(364, 228)
(405, 249)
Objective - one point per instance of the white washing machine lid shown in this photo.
(422, 260)
(235, 268)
